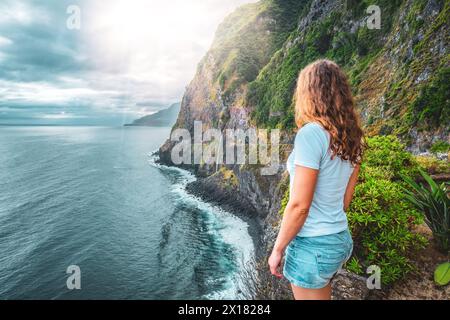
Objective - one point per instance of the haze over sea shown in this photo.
(93, 197)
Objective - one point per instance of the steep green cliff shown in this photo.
(393, 70)
(400, 72)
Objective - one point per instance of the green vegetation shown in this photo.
(394, 97)
(271, 94)
(387, 156)
(433, 201)
(354, 265)
(381, 220)
(415, 21)
(258, 51)
(440, 147)
(432, 107)
(284, 200)
(432, 165)
(247, 39)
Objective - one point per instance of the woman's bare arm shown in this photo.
(295, 213)
(351, 188)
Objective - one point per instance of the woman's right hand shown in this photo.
(275, 263)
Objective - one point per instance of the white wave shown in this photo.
(228, 227)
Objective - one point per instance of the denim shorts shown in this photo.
(311, 262)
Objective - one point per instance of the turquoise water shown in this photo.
(92, 197)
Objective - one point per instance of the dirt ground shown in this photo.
(420, 285)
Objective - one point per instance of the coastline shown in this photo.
(245, 235)
(201, 189)
(226, 200)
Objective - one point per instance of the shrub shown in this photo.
(381, 220)
(440, 147)
(432, 165)
(387, 156)
(433, 201)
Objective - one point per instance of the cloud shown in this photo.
(62, 115)
(38, 47)
(129, 56)
(5, 41)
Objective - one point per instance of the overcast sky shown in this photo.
(129, 58)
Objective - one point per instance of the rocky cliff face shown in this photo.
(399, 75)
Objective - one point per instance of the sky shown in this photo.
(128, 58)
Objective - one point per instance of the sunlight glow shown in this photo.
(141, 26)
(141, 20)
(128, 57)
(156, 41)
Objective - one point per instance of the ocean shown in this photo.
(93, 197)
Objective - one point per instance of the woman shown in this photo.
(323, 170)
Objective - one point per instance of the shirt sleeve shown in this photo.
(309, 147)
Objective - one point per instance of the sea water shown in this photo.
(93, 197)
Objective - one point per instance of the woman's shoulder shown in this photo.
(312, 136)
(310, 146)
(312, 130)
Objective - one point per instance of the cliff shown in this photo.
(399, 75)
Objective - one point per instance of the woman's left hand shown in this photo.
(275, 263)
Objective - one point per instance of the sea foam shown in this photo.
(226, 226)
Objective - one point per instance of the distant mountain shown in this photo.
(162, 118)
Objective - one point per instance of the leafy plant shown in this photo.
(442, 274)
(434, 202)
(353, 265)
(381, 220)
(389, 158)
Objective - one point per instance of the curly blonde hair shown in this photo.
(324, 96)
